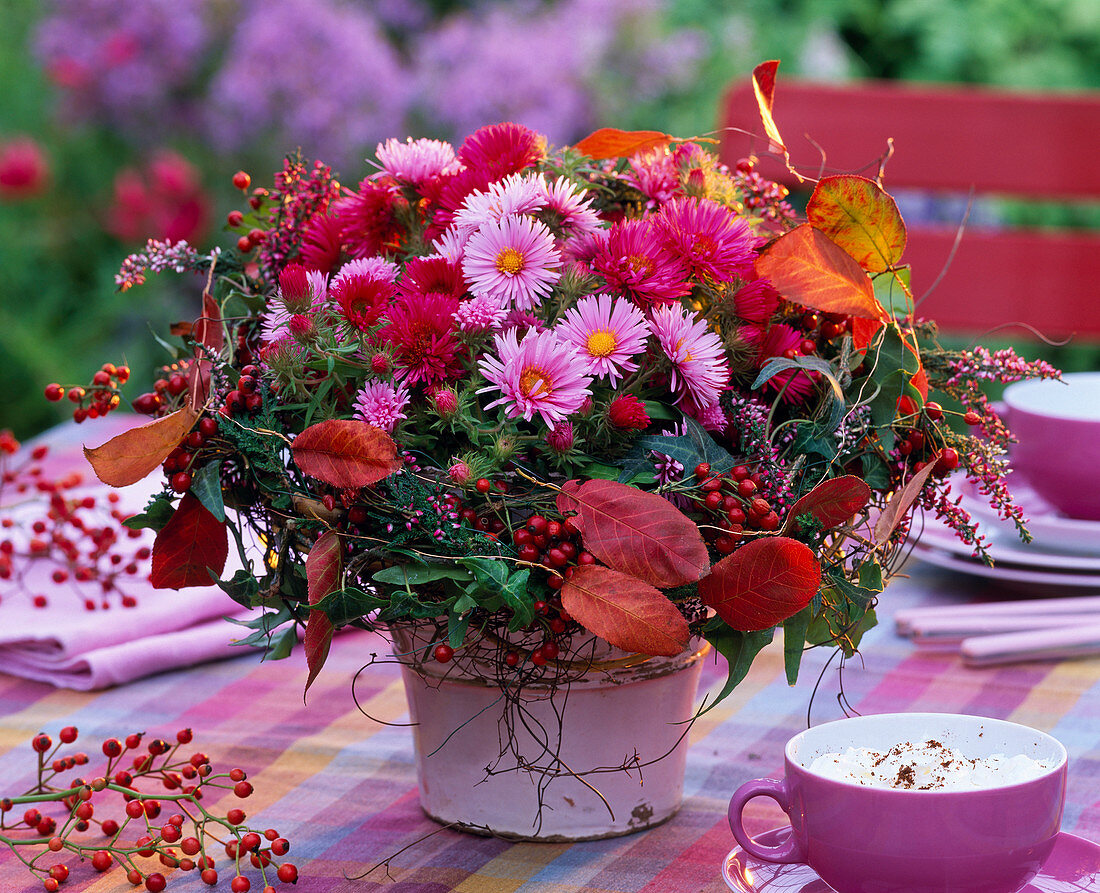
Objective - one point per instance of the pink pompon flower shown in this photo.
(421, 333)
(415, 161)
(775, 341)
(515, 194)
(381, 404)
(560, 438)
(501, 149)
(713, 242)
(628, 412)
(699, 367)
(636, 264)
(572, 206)
(514, 260)
(480, 314)
(606, 333)
(539, 374)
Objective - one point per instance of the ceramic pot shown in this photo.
(600, 756)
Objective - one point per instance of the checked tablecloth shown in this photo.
(342, 787)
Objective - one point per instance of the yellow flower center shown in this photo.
(534, 382)
(704, 244)
(601, 343)
(510, 261)
(640, 263)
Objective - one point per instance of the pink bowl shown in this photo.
(1057, 424)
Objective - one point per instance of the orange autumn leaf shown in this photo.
(902, 501)
(133, 454)
(806, 267)
(763, 87)
(861, 218)
(609, 142)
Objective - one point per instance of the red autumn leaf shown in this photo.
(762, 583)
(763, 87)
(805, 266)
(639, 533)
(608, 142)
(209, 333)
(920, 380)
(832, 502)
(861, 218)
(131, 455)
(902, 501)
(863, 332)
(345, 453)
(324, 567)
(624, 611)
(190, 550)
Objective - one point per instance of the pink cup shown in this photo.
(1057, 426)
(862, 839)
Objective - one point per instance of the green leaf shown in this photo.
(795, 628)
(870, 576)
(419, 574)
(890, 294)
(658, 412)
(243, 588)
(689, 449)
(892, 368)
(281, 644)
(207, 486)
(836, 393)
(516, 597)
(276, 643)
(456, 628)
(738, 648)
(875, 473)
(345, 605)
(157, 513)
(464, 604)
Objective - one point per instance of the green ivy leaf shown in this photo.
(345, 605)
(456, 628)
(738, 648)
(689, 449)
(207, 486)
(243, 588)
(418, 574)
(795, 628)
(157, 513)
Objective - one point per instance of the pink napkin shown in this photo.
(72, 647)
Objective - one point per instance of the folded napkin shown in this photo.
(72, 647)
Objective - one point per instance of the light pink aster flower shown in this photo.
(712, 241)
(375, 267)
(699, 367)
(480, 314)
(381, 404)
(451, 246)
(606, 333)
(515, 194)
(572, 205)
(415, 161)
(539, 374)
(514, 260)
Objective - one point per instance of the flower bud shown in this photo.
(560, 439)
(294, 289)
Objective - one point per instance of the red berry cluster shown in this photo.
(118, 800)
(96, 399)
(246, 398)
(169, 387)
(734, 500)
(71, 535)
(179, 463)
(916, 445)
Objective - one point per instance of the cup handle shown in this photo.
(788, 851)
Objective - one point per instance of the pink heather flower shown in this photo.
(362, 299)
(756, 301)
(514, 260)
(634, 263)
(699, 368)
(481, 314)
(415, 161)
(628, 412)
(421, 333)
(572, 205)
(379, 403)
(375, 267)
(560, 438)
(606, 333)
(715, 243)
(775, 341)
(515, 194)
(459, 472)
(538, 374)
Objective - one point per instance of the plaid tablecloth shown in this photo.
(342, 787)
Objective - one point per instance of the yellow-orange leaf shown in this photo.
(861, 218)
(608, 142)
(127, 458)
(763, 87)
(805, 266)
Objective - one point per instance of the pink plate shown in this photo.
(1074, 865)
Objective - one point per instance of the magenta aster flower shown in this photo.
(606, 333)
(636, 264)
(322, 242)
(375, 267)
(432, 275)
(362, 298)
(514, 260)
(421, 333)
(415, 161)
(502, 149)
(714, 242)
(381, 404)
(539, 374)
(756, 301)
(655, 175)
(628, 412)
(368, 218)
(583, 247)
(699, 368)
(560, 438)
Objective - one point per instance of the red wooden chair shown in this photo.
(955, 139)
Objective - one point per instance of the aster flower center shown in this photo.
(510, 261)
(534, 382)
(601, 343)
(640, 263)
(704, 244)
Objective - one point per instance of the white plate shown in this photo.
(1005, 573)
(1005, 548)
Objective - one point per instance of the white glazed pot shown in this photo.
(601, 757)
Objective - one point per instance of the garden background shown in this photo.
(121, 121)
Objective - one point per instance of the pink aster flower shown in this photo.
(714, 242)
(636, 264)
(515, 194)
(451, 245)
(276, 320)
(572, 206)
(628, 412)
(375, 267)
(699, 367)
(756, 301)
(415, 161)
(776, 341)
(432, 275)
(502, 149)
(606, 333)
(514, 260)
(362, 298)
(583, 247)
(480, 314)
(421, 333)
(539, 374)
(322, 242)
(381, 404)
(655, 175)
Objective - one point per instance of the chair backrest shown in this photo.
(955, 140)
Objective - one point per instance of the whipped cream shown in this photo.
(927, 766)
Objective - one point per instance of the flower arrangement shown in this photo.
(555, 398)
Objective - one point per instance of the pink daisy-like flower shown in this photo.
(502, 149)
(572, 205)
(775, 341)
(655, 175)
(514, 260)
(451, 245)
(432, 275)
(515, 194)
(415, 161)
(480, 314)
(606, 333)
(381, 404)
(362, 298)
(583, 247)
(699, 367)
(756, 301)
(539, 374)
(714, 242)
(375, 267)
(421, 333)
(636, 264)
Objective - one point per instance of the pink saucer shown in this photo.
(1074, 865)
